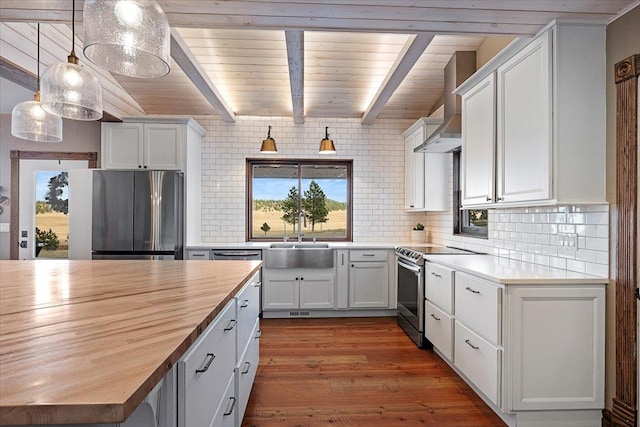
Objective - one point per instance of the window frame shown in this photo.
(461, 222)
(299, 163)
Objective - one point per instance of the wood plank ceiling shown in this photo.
(299, 58)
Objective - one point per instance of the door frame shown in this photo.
(16, 156)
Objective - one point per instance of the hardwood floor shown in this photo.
(355, 372)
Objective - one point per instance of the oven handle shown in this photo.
(413, 268)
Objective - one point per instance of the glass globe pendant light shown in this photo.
(30, 121)
(326, 145)
(128, 37)
(70, 91)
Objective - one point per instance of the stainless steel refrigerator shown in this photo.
(137, 215)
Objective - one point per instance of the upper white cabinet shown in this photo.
(533, 128)
(426, 175)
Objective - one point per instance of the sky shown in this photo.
(278, 188)
(42, 184)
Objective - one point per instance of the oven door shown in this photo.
(411, 295)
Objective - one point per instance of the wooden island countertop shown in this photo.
(86, 341)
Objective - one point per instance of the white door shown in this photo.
(30, 192)
(280, 293)
(317, 292)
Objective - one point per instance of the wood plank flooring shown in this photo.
(356, 372)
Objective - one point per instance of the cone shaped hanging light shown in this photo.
(30, 121)
(326, 145)
(128, 37)
(269, 144)
(70, 91)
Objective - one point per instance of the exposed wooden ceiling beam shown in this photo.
(409, 55)
(295, 58)
(18, 75)
(189, 64)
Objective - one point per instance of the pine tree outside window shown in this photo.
(279, 190)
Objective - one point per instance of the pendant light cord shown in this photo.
(73, 27)
(38, 57)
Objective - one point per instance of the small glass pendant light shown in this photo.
(70, 91)
(269, 144)
(326, 145)
(30, 121)
(128, 37)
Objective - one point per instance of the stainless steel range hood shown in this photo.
(449, 135)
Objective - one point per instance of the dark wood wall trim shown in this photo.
(624, 411)
(16, 156)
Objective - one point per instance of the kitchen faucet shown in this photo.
(300, 216)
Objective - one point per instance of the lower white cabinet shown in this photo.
(309, 289)
(369, 284)
(246, 371)
(533, 351)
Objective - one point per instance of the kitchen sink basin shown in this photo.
(298, 255)
(299, 245)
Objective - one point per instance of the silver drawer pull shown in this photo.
(211, 356)
(472, 290)
(231, 325)
(258, 334)
(230, 406)
(436, 274)
(471, 345)
(434, 316)
(202, 255)
(244, 304)
(368, 254)
(257, 284)
(247, 366)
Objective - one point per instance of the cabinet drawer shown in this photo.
(478, 305)
(204, 369)
(226, 413)
(199, 254)
(372, 255)
(248, 300)
(439, 286)
(246, 371)
(478, 360)
(438, 328)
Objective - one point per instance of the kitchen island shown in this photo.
(86, 341)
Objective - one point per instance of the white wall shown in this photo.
(378, 171)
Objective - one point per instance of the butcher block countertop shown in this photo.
(86, 341)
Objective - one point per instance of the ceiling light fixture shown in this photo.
(70, 91)
(30, 121)
(326, 145)
(128, 37)
(269, 144)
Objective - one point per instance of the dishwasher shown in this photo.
(238, 255)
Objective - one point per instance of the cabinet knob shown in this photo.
(139, 166)
(145, 166)
(352, 265)
(500, 199)
(302, 278)
(488, 199)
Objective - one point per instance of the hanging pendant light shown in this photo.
(326, 145)
(70, 91)
(269, 144)
(30, 121)
(128, 37)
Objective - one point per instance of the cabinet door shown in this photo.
(524, 124)
(369, 285)
(163, 146)
(556, 343)
(317, 291)
(280, 293)
(436, 182)
(478, 143)
(122, 146)
(414, 171)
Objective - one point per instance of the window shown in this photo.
(466, 222)
(282, 192)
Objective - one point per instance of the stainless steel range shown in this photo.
(411, 287)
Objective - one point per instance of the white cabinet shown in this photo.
(298, 289)
(534, 351)
(426, 175)
(478, 152)
(533, 132)
(143, 146)
(369, 279)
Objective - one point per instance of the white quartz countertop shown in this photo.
(511, 272)
(335, 245)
